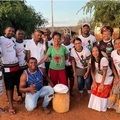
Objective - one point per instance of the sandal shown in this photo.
(11, 111)
(2, 110)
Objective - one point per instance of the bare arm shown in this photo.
(88, 71)
(101, 87)
(94, 84)
(93, 76)
(73, 64)
(43, 60)
(105, 68)
(23, 88)
(115, 72)
(27, 55)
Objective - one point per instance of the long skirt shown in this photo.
(99, 100)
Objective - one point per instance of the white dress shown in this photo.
(98, 101)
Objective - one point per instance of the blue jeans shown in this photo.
(31, 99)
(84, 83)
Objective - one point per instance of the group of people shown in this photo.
(35, 66)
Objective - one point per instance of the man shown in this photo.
(1, 81)
(68, 66)
(87, 39)
(47, 37)
(48, 41)
(20, 49)
(31, 83)
(36, 47)
(10, 64)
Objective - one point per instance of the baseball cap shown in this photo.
(85, 24)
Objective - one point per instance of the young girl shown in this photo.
(57, 54)
(102, 80)
(114, 98)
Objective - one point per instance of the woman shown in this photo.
(57, 54)
(106, 44)
(102, 80)
(114, 98)
(80, 57)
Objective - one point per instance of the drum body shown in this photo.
(61, 102)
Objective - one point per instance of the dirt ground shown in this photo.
(78, 111)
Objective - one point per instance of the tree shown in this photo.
(20, 16)
(106, 12)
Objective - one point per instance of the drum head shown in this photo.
(61, 88)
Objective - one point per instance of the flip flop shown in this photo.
(2, 110)
(11, 111)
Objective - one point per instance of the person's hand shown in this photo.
(32, 89)
(100, 88)
(51, 84)
(94, 85)
(100, 72)
(75, 76)
(116, 81)
(86, 75)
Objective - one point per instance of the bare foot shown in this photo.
(2, 110)
(19, 99)
(46, 110)
(11, 111)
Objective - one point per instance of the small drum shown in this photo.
(61, 100)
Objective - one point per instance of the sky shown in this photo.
(65, 12)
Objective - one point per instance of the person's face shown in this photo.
(106, 35)
(85, 30)
(20, 35)
(10, 32)
(44, 37)
(117, 44)
(37, 36)
(32, 64)
(56, 39)
(66, 40)
(47, 33)
(95, 52)
(77, 44)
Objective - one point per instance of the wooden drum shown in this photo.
(61, 102)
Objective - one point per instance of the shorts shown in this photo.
(58, 77)
(11, 79)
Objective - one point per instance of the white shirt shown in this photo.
(116, 60)
(98, 77)
(8, 50)
(86, 41)
(68, 47)
(36, 51)
(50, 42)
(82, 55)
(20, 49)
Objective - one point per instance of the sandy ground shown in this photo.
(78, 111)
